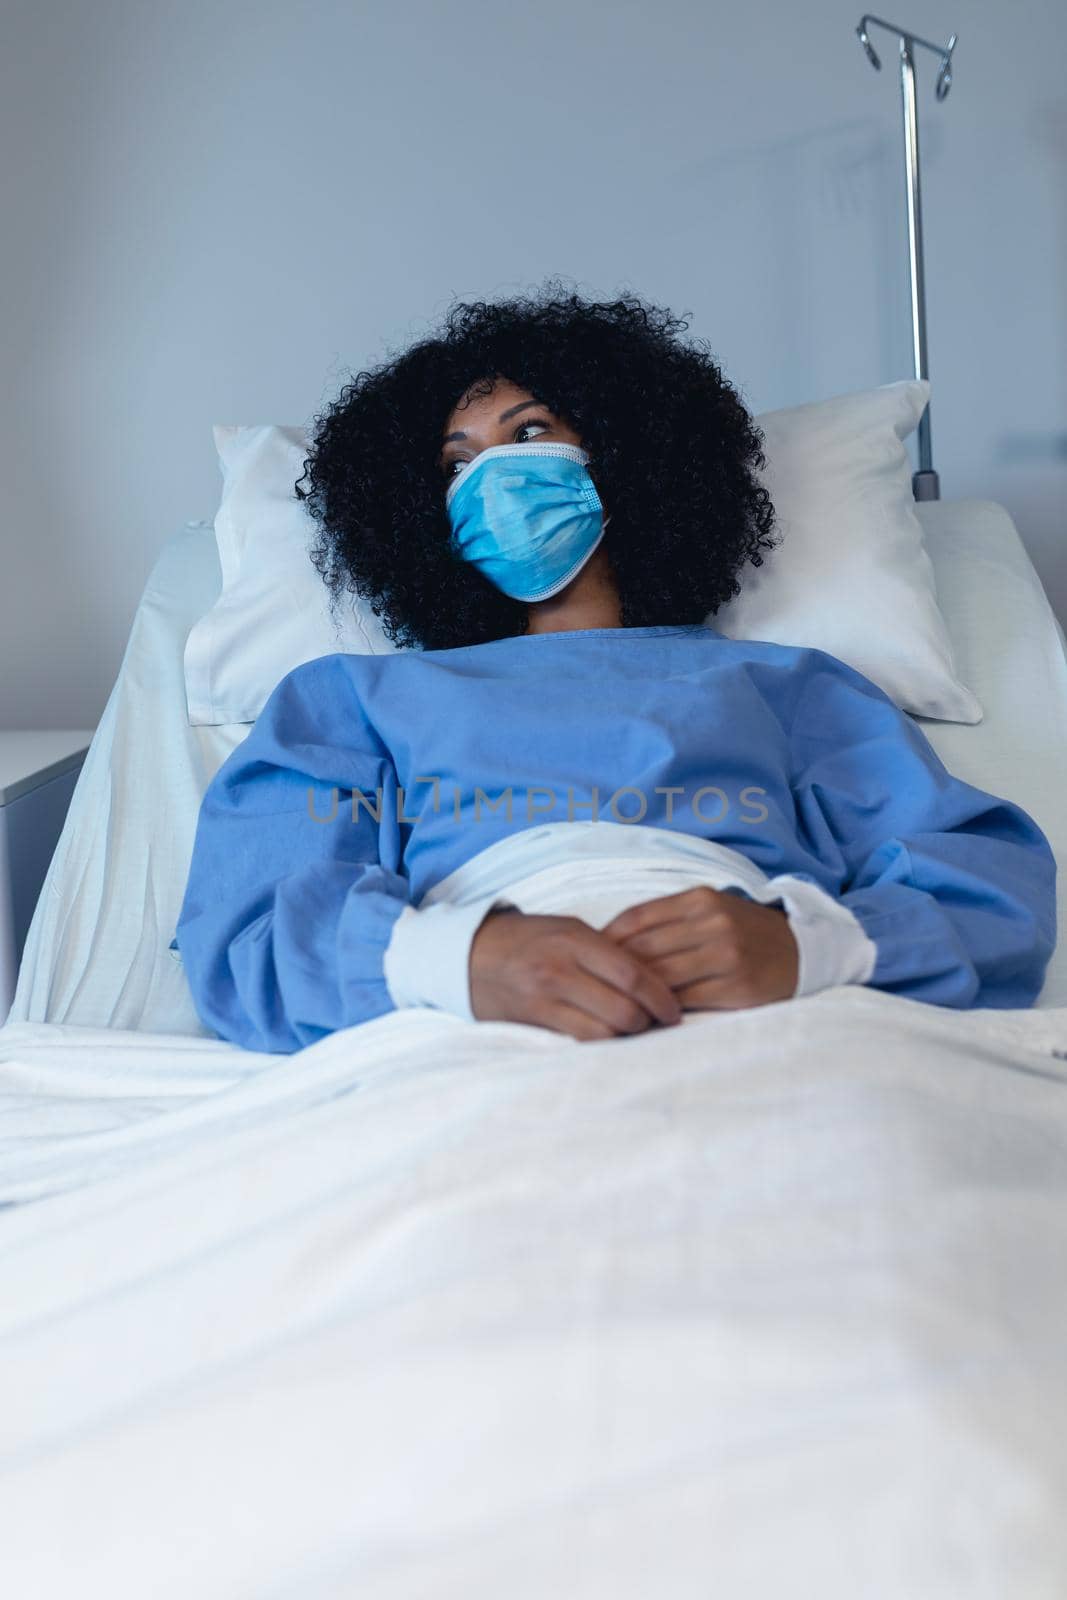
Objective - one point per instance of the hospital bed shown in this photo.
(773, 1307)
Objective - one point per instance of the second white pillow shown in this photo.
(851, 574)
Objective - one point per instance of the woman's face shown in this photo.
(507, 415)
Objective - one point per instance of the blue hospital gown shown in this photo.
(307, 851)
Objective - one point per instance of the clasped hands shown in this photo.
(702, 949)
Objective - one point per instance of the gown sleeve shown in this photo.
(294, 891)
(955, 887)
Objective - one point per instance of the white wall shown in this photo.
(213, 211)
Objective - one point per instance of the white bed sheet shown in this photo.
(471, 1310)
(1010, 650)
(97, 955)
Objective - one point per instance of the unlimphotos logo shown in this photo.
(709, 804)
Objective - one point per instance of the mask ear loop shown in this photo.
(589, 465)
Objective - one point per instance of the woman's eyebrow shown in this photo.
(503, 417)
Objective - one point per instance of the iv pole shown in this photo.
(924, 482)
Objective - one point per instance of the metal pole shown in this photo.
(925, 484)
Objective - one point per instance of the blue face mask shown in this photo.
(527, 515)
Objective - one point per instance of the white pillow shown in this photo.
(273, 611)
(850, 576)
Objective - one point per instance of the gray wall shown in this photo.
(213, 211)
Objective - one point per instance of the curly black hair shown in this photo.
(673, 454)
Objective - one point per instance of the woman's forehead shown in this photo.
(484, 399)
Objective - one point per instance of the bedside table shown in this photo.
(38, 771)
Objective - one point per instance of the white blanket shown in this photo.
(771, 1304)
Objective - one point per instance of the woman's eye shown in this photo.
(456, 465)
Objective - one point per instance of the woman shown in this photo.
(546, 502)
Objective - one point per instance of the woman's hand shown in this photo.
(716, 950)
(558, 972)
